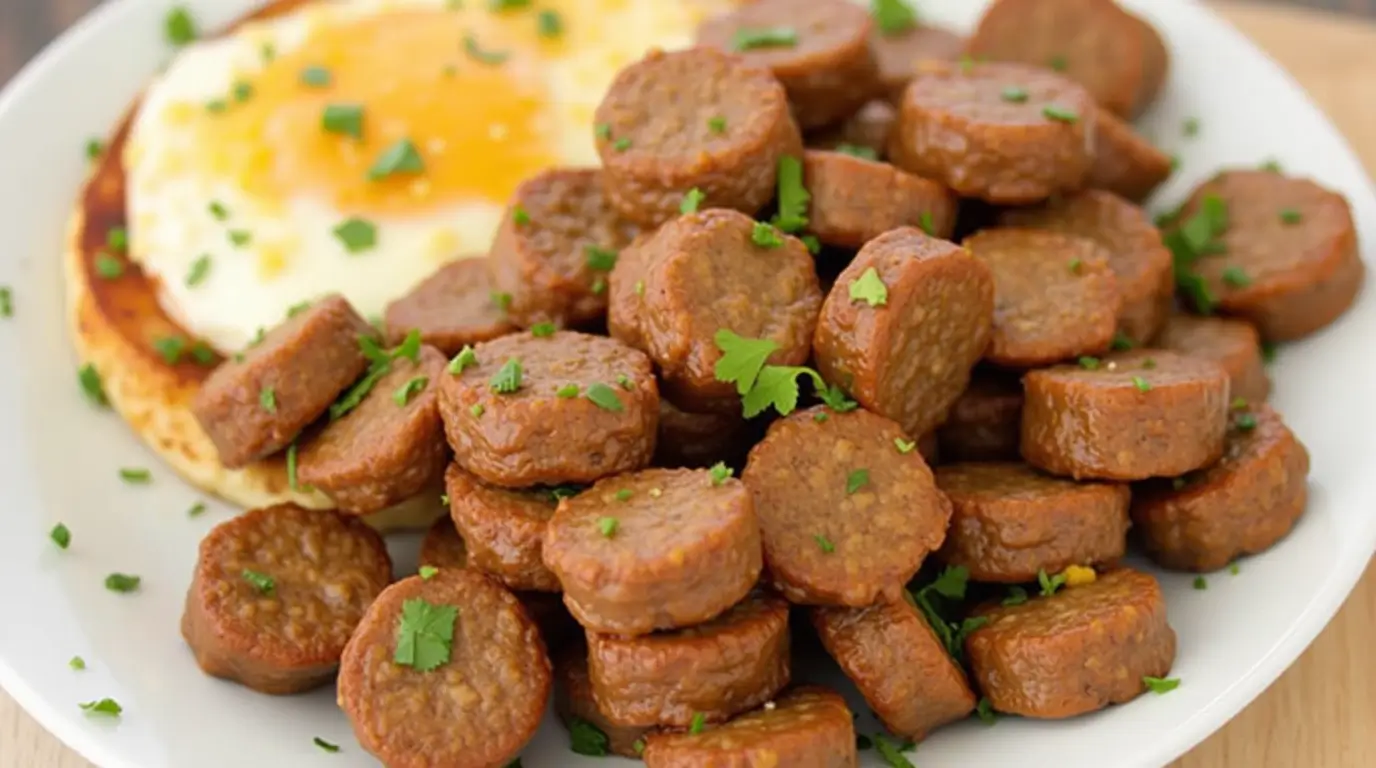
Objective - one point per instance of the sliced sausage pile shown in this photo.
(657, 428)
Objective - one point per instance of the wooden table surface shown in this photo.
(1321, 712)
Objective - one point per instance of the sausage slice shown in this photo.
(899, 52)
(1094, 42)
(299, 367)
(574, 704)
(657, 549)
(818, 49)
(1139, 258)
(847, 516)
(705, 272)
(276, 594)
(695, 119)
(856, 200)
(1076, 651)
(503, 529)
(1287, 259)
(1125, 163)
(555, 248)
(1055, 296)
(1233, 344)
(985, 421)
(1242, 505)
(904, 672)
(456, 306)
(566, 408)
(1130, 416)
(1009, 521)
(1004, 133)
(904, 324)
(808, 727)
(710, 672)
(445, 671)
(388, 449)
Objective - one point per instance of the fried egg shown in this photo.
(355, 146)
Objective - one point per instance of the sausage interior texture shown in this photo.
(1012, 411)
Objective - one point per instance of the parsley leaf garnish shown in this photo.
(742, 359)
(425, 634)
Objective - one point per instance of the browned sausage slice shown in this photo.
(818, 49)
(708, 271)
(699, 439)
(1125, 163)
(1137, 255)
(904, 324)
(1094, 42)
(856, 200)
(1004, 133)
(503, 529)
(445, 671)
(904, 672)
(866, 132)
(575, 706)
(985, 422)
(456, 306)
(656, 549)
(276, 594)
(1233, 344)
(1130, 416)
(710, 672)
(557, 243)
(1076, 651)
(388, 449)
(1242, 505)
(442, 548)
(299, 367)
(1009, 521)
(898, 53)
(566, 408)
(695, 119)
(1288, 262)
(1055, 296)
(847, 508)
(808, 727)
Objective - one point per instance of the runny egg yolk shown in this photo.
(466, 98)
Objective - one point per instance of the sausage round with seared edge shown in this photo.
(574, 703)
(1055, 296)
(1137, 255)
(1004, 133)
(900, 666)
(1125, 163)
(277, 592)
(904, 324)
(656, 549)
(1242, 505)
(709, 672)
(555, 248)
(1009, 521)
(1233, 344)
(1283, 252)
(818, 49)
(388, 448)
(1077, 651)
(1130, 416)
(503, 528)
(710, 271)
(447, 671)
(855, 200)
(694, 119)
(528, 410)
(848, 508)
(456, 306)
(255, 404)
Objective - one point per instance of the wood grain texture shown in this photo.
(1319, 713)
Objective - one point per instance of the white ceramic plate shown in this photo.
(58, 456)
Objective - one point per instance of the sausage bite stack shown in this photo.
(587, 394)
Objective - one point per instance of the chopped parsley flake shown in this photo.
(1190, 127)
(568, 391)
(1016, 596)
(108, 707)
(869, 288)
(1161, 684)
(200, 270)
(357, 235)
(292, 481)
(904, 446)
(508, 378)
(550, 24)
(316, 77)
(262, 582)
(243, 91)
(604, 397)
(893, 16)
(927, 223)
(1050, 584)
(1058, 63)
(622, 144)
(1089, 363)
(91, 386)
(1060, 114)
(747, 39)
(427, 572)
(1245, 422)
(1142, 384)
(477, 410)
(857, 150)
(267, 399)
(814, 246)
(122, 582)
(793, 196)
(77, 663)
(61, 536)
(717, 125)
(240, 237)
(542, 330)
(410, 389)
(501, 299)
(519, 216)
(857, 480)
(1014, 94)
(607, 526)
(346, 119)
(170, 349)
(117, 239)
(136, 476)
(985, 711)
(587, 739)
(603, 130)
(698, 723)
(1195, 238)
(625, 382)
(691, 201)
(425, 634)
(476, 52)
(766, 236)
(1076, 266)
(599, 258)
(196, 510)
(824, 544)
(1121, 341)
(325, 745)
(624, 494)
(1291, 216)
(400, 157)
(94, 149)
(1201, 583)
(891, 753)
(1234, 568)
(720, 473)
(108, 267)
(1236, 277)
(179, 27)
